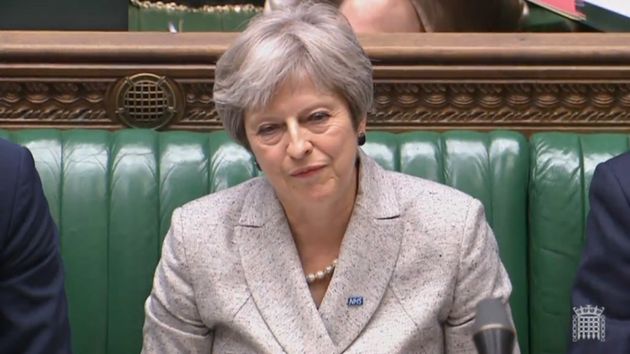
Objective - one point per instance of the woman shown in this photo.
(326, 253)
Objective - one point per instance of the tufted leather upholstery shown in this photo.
(112, 194)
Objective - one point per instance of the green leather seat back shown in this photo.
(219, 19)
(561, 173)
(112, 194)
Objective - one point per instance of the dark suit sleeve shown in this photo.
(33, 308)
(603, 278)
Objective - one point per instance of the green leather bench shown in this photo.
(152, 16)
(112, 194)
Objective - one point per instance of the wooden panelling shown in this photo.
(522, 81)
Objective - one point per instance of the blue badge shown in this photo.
(355, 301)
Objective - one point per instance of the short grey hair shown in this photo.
(312, 40)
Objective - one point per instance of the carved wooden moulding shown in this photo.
(437, 81)
(521, 105)
(50, 103)
(147, 100)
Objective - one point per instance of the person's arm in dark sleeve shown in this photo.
(603, 278)
(33, 307)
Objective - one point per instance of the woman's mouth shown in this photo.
(306, 171)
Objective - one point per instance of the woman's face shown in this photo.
(305, 143)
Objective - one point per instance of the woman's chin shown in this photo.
(315, 193)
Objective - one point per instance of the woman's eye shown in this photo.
(267, 129)
(318, 117)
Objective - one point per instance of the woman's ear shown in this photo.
(362, 127)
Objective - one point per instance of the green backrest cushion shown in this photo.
(561, 173)
(190, 20)
(112, 195)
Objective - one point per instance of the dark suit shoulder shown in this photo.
(619, 164)
(11, 164)
(7, 147)
(616, 169)
(11, 156)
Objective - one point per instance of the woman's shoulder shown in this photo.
(205, 226)
(221, 206)
(411, 191)
(431, 206)
(421, 191)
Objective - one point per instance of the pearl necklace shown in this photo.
(321, 274)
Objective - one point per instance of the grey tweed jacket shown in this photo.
(416, 258)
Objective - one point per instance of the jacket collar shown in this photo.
(375, 196)
(275, 276)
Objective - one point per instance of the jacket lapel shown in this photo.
(274, 274)
(368, 255)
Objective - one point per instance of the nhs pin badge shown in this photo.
(355, 301)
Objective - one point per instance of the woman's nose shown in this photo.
(299, 143)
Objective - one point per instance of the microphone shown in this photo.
(493, 332)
